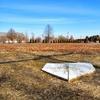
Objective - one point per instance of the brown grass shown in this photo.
(21, 77)
(65, 47)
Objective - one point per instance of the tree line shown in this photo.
(47, 37)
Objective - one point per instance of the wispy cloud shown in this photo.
(35, 21)
(21, 20)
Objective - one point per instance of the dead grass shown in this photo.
(64, 47)
(24, 80)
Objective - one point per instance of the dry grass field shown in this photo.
(21, 77)
(63, 47)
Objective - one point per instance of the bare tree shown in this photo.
(26, 37)
(11, 34)
(3, 39)
(71, 38)
(62, 39)
(48, 33)
(20, 37)
(38, 40)
(32, 38)
(32, 35)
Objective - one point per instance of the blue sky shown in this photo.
(78, 17)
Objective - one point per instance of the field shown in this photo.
(21, 77)
(63, 47)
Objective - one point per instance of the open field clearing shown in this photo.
(65, 47)
(21, 77)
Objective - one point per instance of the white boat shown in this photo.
(69, 71)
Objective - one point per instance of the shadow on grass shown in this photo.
(4, 78)
(47, 58)
(59, 92)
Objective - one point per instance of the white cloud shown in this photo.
(28, 20)
(31, 20)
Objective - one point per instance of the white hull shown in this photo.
(69, 71)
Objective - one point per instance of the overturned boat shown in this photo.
(69, 71)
